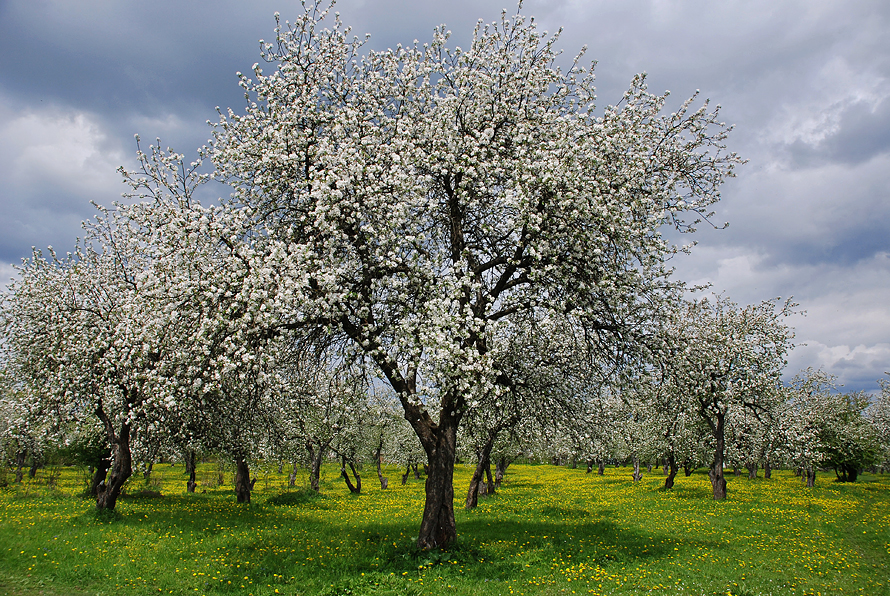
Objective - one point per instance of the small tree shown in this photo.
(729, 358)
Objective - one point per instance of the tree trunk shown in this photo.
(121, 467)
(378, 455)
(688, 468)
(811, 476)
(752, 470)
(437, 528)
(315, 460)
(649, 467)
(483, 457)
(500, 468)
(99, 475)
(405, 475)
(146, 474)
(292, 479)
(242, 479)
(190, 469)
(601, 469)
(767, 470)
(665, 466)
(718, 480)
(671, 465)
(637, 476)
(20, 457)
(354, 489)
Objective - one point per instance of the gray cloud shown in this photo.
(806, 82)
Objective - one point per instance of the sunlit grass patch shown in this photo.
(548, 530)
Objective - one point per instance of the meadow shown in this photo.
(549, 530)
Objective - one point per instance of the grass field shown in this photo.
(548, 531)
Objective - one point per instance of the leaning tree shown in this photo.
(422, 196)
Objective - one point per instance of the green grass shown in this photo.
(548, 531)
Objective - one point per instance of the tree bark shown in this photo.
(190, 469)
(354, 489)
(378, 455)
(767, 470)
(637, 476)
(20, 458)
(670, 464)
(292, 479)
(752, 470)
(500, 468)
(718, 480)
(315, 459)
(481, 465)
(243, 484)
(437, 527)
(601, 469)
(99, 475)
(121, 462)
(811, 476)
(146, 474)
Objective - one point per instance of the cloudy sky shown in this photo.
(805, 82)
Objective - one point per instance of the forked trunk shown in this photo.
(637, 476)
(243, 485)
(353, 488)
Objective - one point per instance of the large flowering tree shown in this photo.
(424, 196)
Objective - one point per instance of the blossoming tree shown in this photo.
(423, 195)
